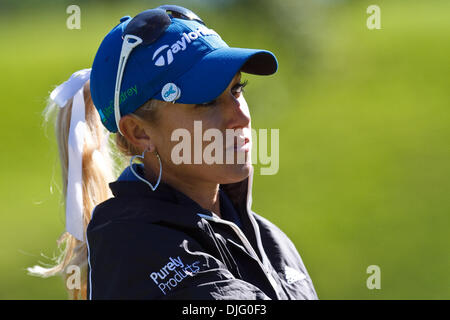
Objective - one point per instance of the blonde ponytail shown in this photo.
(98, 169)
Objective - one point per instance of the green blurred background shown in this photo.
(364, 134)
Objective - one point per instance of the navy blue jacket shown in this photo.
(145, 244)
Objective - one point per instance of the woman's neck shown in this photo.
(206, 195)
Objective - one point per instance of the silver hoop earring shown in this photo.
(142, 179)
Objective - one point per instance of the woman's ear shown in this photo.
(135, 131)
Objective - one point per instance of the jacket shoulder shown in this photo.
(272, 233)
(284, 256)
(116, 209)
(274, 239)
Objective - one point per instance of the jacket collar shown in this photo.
(239, 193)
(128, 185)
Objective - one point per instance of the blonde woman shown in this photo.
(175, 225)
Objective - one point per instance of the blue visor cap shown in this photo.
(188, 54)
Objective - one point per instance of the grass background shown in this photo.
(364, 135)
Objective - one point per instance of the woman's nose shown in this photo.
(237, 111)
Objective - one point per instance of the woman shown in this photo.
(179, 224)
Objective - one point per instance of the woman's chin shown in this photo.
(236, 172)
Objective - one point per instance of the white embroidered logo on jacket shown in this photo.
(293, 275)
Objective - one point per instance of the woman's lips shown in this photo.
(242, 144)
(238, 140)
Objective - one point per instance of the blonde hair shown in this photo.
(102, 162)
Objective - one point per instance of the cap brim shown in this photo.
(210, 76)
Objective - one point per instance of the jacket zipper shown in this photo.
(246, 243)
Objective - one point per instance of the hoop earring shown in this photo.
(142, 179)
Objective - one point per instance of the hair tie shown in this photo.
(73, 88)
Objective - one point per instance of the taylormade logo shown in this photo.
(186, 39)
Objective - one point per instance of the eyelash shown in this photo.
(238, 88)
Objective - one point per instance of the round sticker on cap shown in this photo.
(170, 92)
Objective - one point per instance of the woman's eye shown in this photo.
(239, 88)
